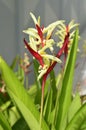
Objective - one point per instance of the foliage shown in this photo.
(49, 103)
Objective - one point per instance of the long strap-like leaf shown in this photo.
(65, 97)
(17, 91)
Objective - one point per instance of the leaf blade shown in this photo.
(4, 123)
(17, 89)
(66, 92)
(78, 119)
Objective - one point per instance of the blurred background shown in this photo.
(14, 17)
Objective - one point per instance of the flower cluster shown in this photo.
(41, 43)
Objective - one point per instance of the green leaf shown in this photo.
(53, 84)
(83, 125)
(36, 66)
(18, 126)
(4, 123)
(5, 105)
(77, 119)
(59, 79)
(1, 99)
(66, 91)
(74, 107)
(1, 128)
(37, 82)
(32, 91)
(21, 97)
(27, 114)
(13, 115)
(14, 63)
(48, 106)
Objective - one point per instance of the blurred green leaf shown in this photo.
(1, 101)
(27, 114)
(74, 107)
(83, 125)
(13, 115)
(32, 91)
(22, 99)
(4, 123)
(18, 126)
(5, 105)
(1, 128)
(36, 67)
(37, 82)
(66, 91)
(14, 63)
(53, 84)
(48, 106)
(78, 119)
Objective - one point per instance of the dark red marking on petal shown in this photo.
(39, 31)
(35, 54)
(64, 47)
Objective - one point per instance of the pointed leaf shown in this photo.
(18, 93)
(53, 82)
(78, 119)
(48, 106)
(18, 126)
(66, 92)
(4, 123)
(74, 107)
(27, 114)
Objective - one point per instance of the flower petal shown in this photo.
(39, 32)
(33, 17)
(51, 57)
(35, 54)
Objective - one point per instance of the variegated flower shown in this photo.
(63, 30)
(40, 42)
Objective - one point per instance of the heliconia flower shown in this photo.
(62, 31)
(41, 39)
(40, 34)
